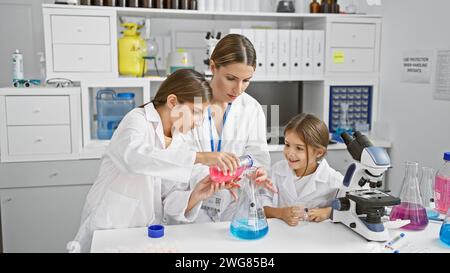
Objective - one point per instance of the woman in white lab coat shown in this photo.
(304, 179)
(234, 123)
(144, 173)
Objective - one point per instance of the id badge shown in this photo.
(213, 203)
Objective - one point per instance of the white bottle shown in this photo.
(301, 6)
(227, 5)
(201, 4)
(235, 5)
(210, 5)
(17, 65)
(42, 66)
(219, 5)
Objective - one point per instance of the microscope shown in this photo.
(359, 204)
(211, 43)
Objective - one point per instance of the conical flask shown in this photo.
(411, 207)
(249, 221)
(427, 191)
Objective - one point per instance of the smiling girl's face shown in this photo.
(301, 159)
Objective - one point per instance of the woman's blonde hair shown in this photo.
(313, 131)
(186, 84)
(234, 48)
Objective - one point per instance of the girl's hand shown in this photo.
(319, 214)
(204, 189)
(262, 179)
(292, 215)
(225, 161)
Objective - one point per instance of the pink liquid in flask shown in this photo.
(442, 193)
(410, 211)
(219, 176)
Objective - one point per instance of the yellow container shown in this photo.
(132, 50)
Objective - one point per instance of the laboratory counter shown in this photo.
(307, 237)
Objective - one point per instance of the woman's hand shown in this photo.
(225, 161)
(319, 214)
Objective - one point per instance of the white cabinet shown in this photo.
(41, 203)
(80, 44)
(40, 219)
(39, 124)
(353, 47)
(81, 29)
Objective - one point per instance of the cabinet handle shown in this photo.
(36, 111)
(55, 174)
(354, 36)
(7, 200)
(38, 140)
(80, 58)
(79, 30)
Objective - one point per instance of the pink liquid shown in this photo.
(442, 193)
(219, 177)
(410, 211)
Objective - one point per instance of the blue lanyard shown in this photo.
(223, 126)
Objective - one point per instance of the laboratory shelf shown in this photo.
(195, 14)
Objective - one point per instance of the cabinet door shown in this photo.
(40, 219)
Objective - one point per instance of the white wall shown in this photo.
(419, 126)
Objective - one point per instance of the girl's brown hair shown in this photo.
(313, 131)
(186, 84)
(234, 48)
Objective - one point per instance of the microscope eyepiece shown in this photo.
(347, 138)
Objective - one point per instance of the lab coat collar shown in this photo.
(153, 116)
(321, 175)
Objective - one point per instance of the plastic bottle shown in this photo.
(17, 58)
(218, 176)
(442, 186)
(42, 66)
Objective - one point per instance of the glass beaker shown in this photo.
(427, 193)
(410, 207)
(249, 221)
(444, 234)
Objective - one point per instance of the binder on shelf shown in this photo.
(250, 34)
(272, 52)
(284, 52)
(307, 49)
(318, 52)
(296, 50)
(261, 52)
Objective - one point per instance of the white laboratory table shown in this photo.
(304, 238)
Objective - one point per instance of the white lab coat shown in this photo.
(319, 192)
(139, 181)
(244, 133)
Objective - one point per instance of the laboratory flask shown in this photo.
(218, 176)
(411, 207)
(249, 221)
(442, 186)
(427, 191)
(444, 234)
